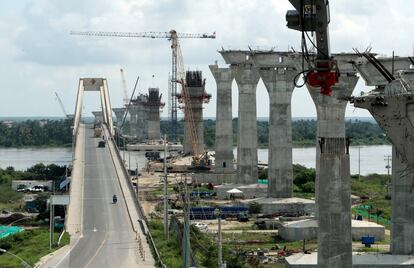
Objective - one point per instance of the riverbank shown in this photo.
(43, 146)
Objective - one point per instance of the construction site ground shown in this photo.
(244, 235)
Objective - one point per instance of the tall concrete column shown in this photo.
(119, 113)
(333, 186)
(154, 105)
(196, 89)
(132, 120)
(142, 117)
(247, 77)
(279, 84)
(224, 124)
(393, 110)
(402, 206)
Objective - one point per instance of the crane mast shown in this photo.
(124, 87)
(172, 36)
(185, 97)
(61, 105)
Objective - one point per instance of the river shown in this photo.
(371, 157)
(22, 158)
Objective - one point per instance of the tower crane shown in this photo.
(200, 159)
(124, 87)
(172, 36)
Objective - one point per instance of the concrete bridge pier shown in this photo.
(224, 124)
(333, 187)
(132, 120)
(247, 78)
(154, 105)
(393, 109)
(140, 104)
(197, 95)
(119, 114)
(279, 84)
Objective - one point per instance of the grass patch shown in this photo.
(373, 187)
(169, 249)
(29, 245)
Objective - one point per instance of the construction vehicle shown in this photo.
(172, 36)
(313, 16)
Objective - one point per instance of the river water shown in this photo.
(21, 159)
(371, 157)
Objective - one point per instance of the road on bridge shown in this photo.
(107, 238)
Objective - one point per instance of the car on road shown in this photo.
(101, 144)
(201, 226)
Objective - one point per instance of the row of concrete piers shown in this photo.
(144, 116)
(278, 71)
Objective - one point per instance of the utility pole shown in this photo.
(388, 166)
(186, 233)
(166, 235)
(136, 188)
(220, 247)
(123, 148)
(129, 161)
(51, 222)
(388, 158)
(359, 162)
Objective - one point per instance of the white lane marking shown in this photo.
(97, 251)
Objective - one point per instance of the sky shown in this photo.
(39, 57)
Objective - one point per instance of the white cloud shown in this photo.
(41, 57)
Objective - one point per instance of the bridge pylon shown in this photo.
(94, 84)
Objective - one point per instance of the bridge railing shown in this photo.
(143, 222)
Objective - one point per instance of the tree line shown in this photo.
(303, 132)
(35, 133)
(59, 133)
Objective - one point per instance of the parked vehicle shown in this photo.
(201, 226)
(37, 189)
(21, 188)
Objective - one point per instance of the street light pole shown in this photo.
(51, 222)
(359, 162)
(186, 235)
(220, 247)
(23, 262)
(388, 158)
(166, 235)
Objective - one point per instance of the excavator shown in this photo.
(313, 16)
